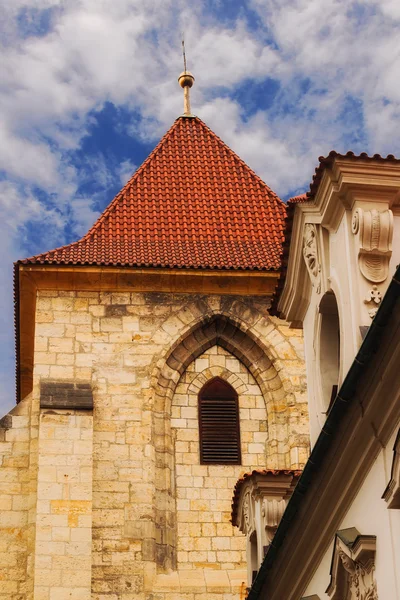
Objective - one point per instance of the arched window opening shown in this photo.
(219, 425)
(329, 360)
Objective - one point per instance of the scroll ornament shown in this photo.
(272, 512)
(361, 579)
(375, 231)
(248, 524)
(311, 255)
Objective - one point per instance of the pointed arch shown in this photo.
(242, 333)
(219, 330)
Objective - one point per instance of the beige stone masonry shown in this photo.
(18, 459)
(63, 548)
(160, 520)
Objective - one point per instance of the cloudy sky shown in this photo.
(87, 88)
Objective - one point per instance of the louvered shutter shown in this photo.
(219, 424)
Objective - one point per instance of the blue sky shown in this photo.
(88, 87)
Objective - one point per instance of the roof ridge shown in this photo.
(134, 176)
(109, 209)
(240, 160)
(192, 203)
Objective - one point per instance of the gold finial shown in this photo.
(186, 81)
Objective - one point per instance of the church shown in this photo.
(208, 390)
(153, 386)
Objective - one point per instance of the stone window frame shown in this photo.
(253, 339)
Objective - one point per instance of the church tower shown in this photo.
(150, 378)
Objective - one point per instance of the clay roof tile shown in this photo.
(193, 203)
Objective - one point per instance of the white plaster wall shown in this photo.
(370, 515)
(341, 274)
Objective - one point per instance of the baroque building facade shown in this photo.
(339, 535)
(151, 378)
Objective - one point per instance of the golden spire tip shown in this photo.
(186, 81)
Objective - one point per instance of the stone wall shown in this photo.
(206, 538)
(63, 547)
(18, 475)
(136, 351)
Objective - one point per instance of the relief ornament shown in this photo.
(375, 233)
(311, 255)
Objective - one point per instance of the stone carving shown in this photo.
(272, 511)
(375, 232)
(362, 582)
(258, 503)
(353, 567)
(311, 255)
(373, 299)
(248, 524)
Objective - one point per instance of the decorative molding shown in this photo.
(311, 255)
(375, 232)
(272, 511)
(352, 567)
(247, 523)
(258, 504)
(392, 492)
(373, 300)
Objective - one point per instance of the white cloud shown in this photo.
(128, 53)
(125, 171)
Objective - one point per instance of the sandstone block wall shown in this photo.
(63, 545)
(205, 535)
(140, 353)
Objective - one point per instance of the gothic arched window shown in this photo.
(219, 425)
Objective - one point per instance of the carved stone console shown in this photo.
(258, 503)
(352, 567)
(375, 232)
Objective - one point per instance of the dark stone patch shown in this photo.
(157, 298)
(56, 394)
(116, 310)
(6, 422)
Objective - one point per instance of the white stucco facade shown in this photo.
(343, 541)
(350, 289)
(369, 513)
(344, 249)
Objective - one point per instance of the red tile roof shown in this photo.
(192, 204)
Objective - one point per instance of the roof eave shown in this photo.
(29, 278)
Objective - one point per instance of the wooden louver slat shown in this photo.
(219, 424)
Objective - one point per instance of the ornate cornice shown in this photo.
(352, 567)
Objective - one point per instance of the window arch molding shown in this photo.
(244, 342)
(218, 330)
